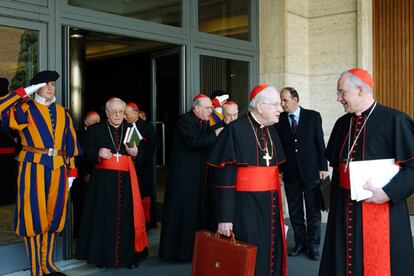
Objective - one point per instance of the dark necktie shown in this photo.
(294, 124)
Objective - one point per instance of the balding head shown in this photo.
(91, 118)
(230, 112)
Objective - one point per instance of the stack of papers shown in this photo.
(132, 136)
(377, 173)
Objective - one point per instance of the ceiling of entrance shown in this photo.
(101, 45)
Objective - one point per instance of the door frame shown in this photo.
(180, 50)
(13, 256)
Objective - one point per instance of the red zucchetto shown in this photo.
(257, 89)
(133, 105)
(363, 75)
(199, 96)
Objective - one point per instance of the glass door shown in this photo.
(21, 49)
(167, 104)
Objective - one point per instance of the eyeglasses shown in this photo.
(116, 112)
(275, 105)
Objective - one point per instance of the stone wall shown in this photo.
(307, 44)
(333, 49)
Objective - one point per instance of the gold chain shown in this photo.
(257, 139)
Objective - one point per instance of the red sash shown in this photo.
(125, 164)
(10, 150)
(375, 232)
(261, 179)
(257, 179)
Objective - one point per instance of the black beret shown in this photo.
(218, 93)
(4, 86)
(44, 76)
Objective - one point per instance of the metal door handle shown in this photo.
(160, 123)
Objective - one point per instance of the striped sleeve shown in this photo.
(9, 106)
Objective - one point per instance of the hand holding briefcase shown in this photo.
(218, 256)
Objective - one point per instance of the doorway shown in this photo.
(145, 72)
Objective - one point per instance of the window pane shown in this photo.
(228, 75)
(19, 55)
(160, 11)
(18, 63)
(228, 18)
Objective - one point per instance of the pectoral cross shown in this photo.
(267, 157)
(117, 156)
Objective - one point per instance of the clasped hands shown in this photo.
(107, 154)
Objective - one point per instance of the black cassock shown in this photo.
(185, 194)
(106, 234)
(145, 166)
(388, 133)
(257, 216)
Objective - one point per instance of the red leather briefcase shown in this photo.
(218, 256)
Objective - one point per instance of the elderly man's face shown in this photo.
(289, 105)
(48, 91)
(348, 95)
(270, 109)
(115, 113)
(131, 115)
(203, 109)
(230, 113)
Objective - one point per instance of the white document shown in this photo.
(377, 172)
(137, 131)
(127, 135)
(286, 231)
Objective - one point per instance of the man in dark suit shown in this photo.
(300, 131)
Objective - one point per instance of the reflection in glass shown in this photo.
(160, 11)
(228, 18)
(228, 75)
(19, 54)
(18, 63)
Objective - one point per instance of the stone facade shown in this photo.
(307, 44)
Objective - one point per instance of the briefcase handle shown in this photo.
(232, 237)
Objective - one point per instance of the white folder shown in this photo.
(377, 172)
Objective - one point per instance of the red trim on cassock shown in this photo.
(375, 232)
(225, 187)
(403, 161)
(125, 164)
(9, 150)
(282, 227)
(257, 179)
(146, 204)
(73, 172)
(223, 164)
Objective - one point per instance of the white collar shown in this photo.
(42, 100)
(261, 126)
(296, 113)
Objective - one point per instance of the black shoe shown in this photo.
(55, 274)
(313, 254)
(299, 248)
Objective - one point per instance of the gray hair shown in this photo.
(196, 102)
(356, 82)
(261, 97)
(112, 100)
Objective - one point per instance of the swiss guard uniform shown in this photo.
(49, 145)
